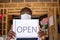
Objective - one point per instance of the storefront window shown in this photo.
(45, 0)
(4, 11)
(31, 0)
(17, 0)
(54, 0)
(4, 1)
(59, 2)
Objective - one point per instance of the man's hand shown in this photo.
(11, 35)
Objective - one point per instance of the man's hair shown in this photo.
(26, 9)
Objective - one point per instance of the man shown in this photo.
(25, 13)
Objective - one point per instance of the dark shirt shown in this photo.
(26, 38)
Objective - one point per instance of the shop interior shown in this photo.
(10, 9)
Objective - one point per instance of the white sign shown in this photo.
(51, 21)
(26, 28)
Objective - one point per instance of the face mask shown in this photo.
(25, 16)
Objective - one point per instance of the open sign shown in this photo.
(26, 28)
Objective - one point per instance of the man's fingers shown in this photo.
(11, 37)
(14, 34)
(11, 34)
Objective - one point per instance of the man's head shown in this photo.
(26, 10)
(26, 13)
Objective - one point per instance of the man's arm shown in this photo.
(8, 38)
(10, 34)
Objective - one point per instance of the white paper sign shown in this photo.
(26, 28)
(51, 21)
